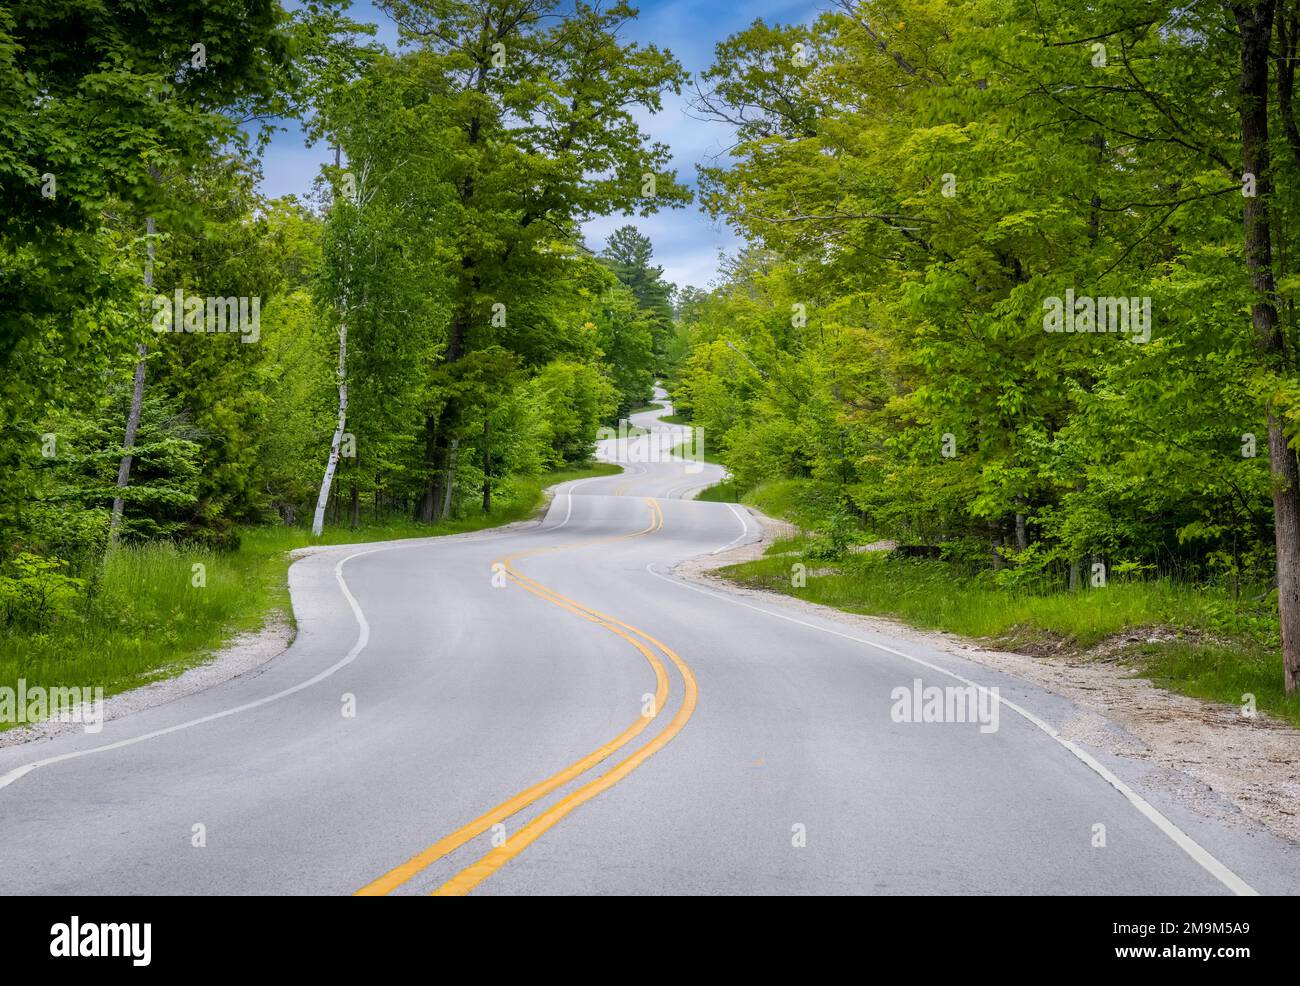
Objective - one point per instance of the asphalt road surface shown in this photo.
(547, 709)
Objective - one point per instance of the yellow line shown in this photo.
(470, 877)
(401, 874)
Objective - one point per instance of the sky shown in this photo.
(686, 242)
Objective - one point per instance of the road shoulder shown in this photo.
(1216, 761)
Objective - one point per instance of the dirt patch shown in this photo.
(1036, 642)
(1213, 758)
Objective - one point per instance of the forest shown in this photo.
(187, 364)
(1019, 292)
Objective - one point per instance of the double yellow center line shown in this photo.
(474, 874)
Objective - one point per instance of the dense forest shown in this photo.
(1020, 285)
(182, 359)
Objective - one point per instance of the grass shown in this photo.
(805, 503)
(725, 492)
(676, 419)
(1193, 639)
(147, 620)
(584, 472)
(645, 407)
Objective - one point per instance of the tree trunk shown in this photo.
(438, 427)
(427, 509)
(318, 521)
(356, 508)
(137, 397)
(995, 545)
(449, 479)
(487, 463)
(1255, 24)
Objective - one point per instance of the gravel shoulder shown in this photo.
(1214, 759)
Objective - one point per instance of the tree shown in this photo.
(924, 179)
(538, 101)
(628, 253)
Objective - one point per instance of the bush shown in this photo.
(37, 592)
(834, 537)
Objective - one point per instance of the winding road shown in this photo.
(549, 709)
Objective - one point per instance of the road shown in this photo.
(547, 709)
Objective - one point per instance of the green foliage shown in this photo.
(628, 253)
(572, 399)
(484, 345)
(834, 537)
(36, 591)
(910, 196)
(625, 334)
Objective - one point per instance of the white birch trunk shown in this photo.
(318, 521)
(137, 398)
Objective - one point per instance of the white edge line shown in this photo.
(363, 638)
(1185, 842)
(744, 529)
(568, 495)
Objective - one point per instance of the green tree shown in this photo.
(628, 254)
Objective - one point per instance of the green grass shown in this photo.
(725, 492)
(805, 503)
(646, 407)
(585, 472)
(1210, 647)
(1193, 639)
(148, 621)
(1219, 673)
(676, 419)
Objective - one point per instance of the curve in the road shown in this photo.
(473, 875)
(473, 692)
(470, 877)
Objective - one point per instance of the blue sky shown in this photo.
(686, 241)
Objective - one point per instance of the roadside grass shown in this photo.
(806, 503)
(1192, 639)
(676, 419)
(146, 620)
(725, 492)
(584, 472)
(645, 407)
